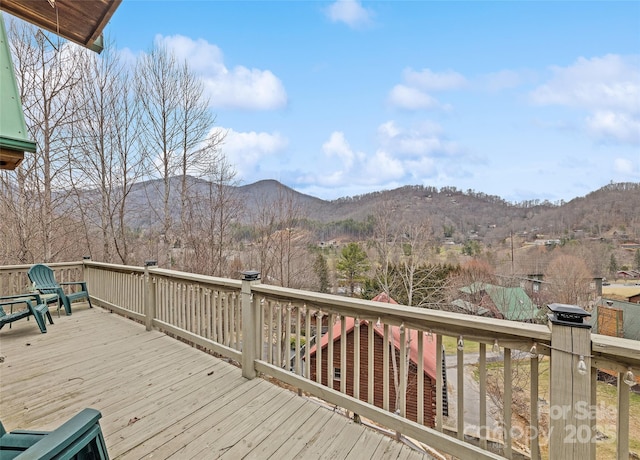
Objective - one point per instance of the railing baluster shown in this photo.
(440, 370)
(298, 369)
(370, 361)
(507, 403)
(319, 347)
(227, 319)
(278, 357)
(385, 368)
(219, 307)
(622, 419)
(261, 354)
(307, 347)
(533, 409)
(286, 358)
(330, 369)
(356, 359)
(236, 316)
(402, 397)
(482, 390)
(270, 322)
(344, 374)
(420, 376)
(460, 391)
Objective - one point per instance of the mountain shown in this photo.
(468, 214)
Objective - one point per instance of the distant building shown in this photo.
(510, 303)
(617, 319)
(623, 293)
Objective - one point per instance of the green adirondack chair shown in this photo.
(33, 306)
(80, 438)
(44, 281)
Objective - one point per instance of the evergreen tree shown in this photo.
(353, 263)
(321, 269)
(613, 265)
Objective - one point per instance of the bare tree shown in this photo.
(175, 121)
(213, 212)
(197, 145)
(568, 280)
(107, 160)
(279, 247)
(47, 75)
(473, 276)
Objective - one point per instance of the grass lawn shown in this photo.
(451, 346)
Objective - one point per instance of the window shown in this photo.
(336, 373)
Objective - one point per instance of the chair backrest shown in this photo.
(43, 277)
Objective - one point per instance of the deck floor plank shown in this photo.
(161, 398)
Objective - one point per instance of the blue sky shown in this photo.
(520, 99)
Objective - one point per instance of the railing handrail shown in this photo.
(26, 267)
(475, 328)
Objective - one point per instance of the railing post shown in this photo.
(150, 296)
(570, 433)
(249, 324)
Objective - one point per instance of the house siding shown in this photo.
(378, 364)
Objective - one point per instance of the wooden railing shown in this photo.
(323, 346)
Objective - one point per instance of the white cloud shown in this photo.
(607, 88)
(625, 167)
(413, 94)
(337, 146)
(236, 88)
(245, 150)
(503, 79)
(416, 154)
(425, 139)
(351, 12)
(428, 80)
(405, 97)
(611, 125)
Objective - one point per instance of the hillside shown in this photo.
(614, 208)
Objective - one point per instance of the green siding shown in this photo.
(13, 129)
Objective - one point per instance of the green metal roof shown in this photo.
(513, 302)
(631, 317)
(13, 129)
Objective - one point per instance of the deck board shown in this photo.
(161, 398)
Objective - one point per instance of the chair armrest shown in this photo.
(82, 427)
(16, 301)
(7, 298)
(70, 283)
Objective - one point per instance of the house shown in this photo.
(628, 274)
(332, 377)
(510, 303)
(624, 293)
(616, 318)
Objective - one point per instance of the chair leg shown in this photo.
(67, 306)
(40, 320)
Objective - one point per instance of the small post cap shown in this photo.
(568, 315)
(250, 275)
(150, 263)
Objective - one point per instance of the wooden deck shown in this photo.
(162, 398)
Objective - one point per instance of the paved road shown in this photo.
(471, 397)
